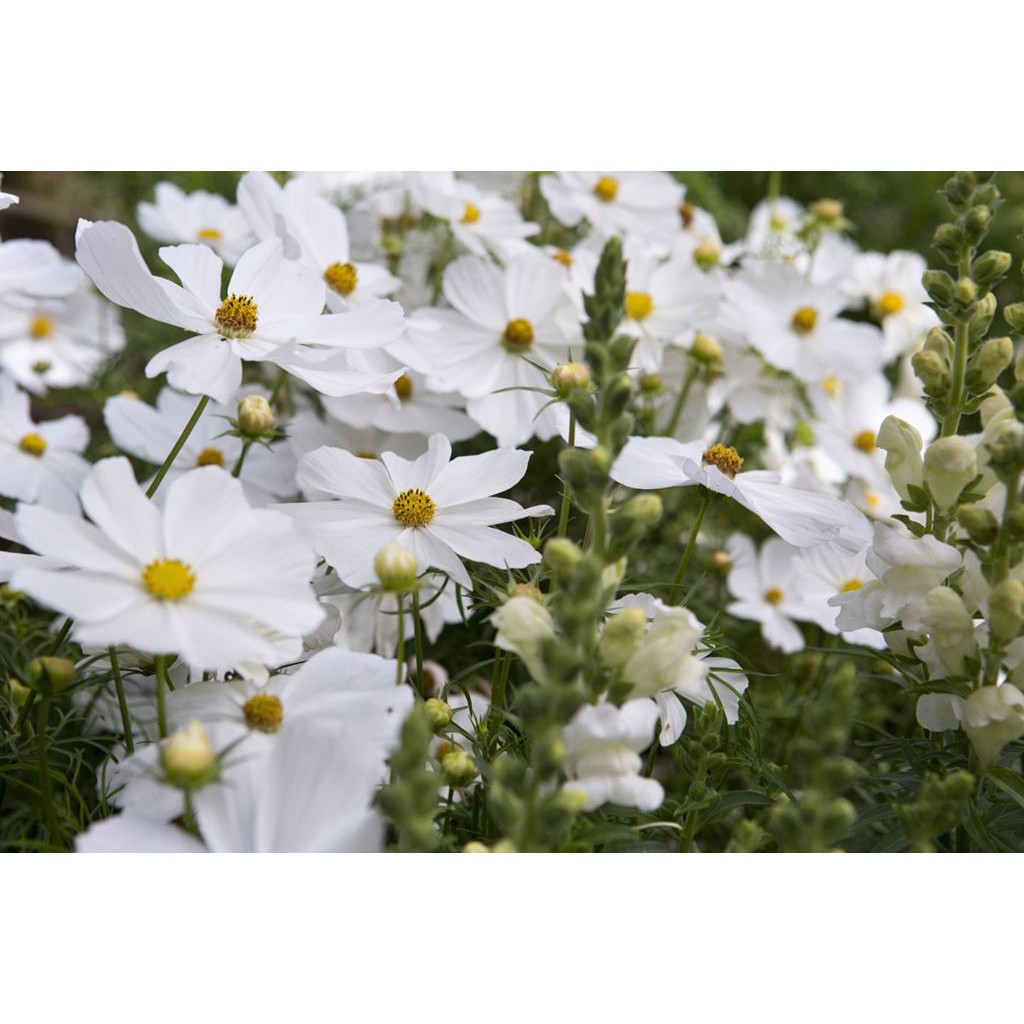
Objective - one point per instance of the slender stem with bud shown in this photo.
(178, 445)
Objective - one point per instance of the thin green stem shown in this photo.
(690, 545)
(122, 703)
(178, 445)
(400, 645)
(677, 409)
(45, 783)
(690, 824)
(563, 515)
(62, 636)
(417, 629)
(236, 471)
(162, 684)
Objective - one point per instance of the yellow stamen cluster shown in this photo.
(41, 366)
(41, 327)
(562, 256)
(32, 444)
(606, 189)
(865, 441)
(341, 278)
(403, 387)
(639, 305)
(169, 579)
(832, 385)
(210, 457)
(773, 595)
(804, 320)
(518, 335)
(264, 712)
(209, 235)
(471, 214)
(686, 212)
(890, 302)
(413, 507)
(725, 458)
(851, 584)
(236, 316)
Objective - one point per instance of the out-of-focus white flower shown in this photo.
(523, 625)
(31, 270)
(993, 716)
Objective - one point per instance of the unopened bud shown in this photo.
(643, 509)
(562, 556)
(528, 590)
(991, 266)
(188, 758)
(965, 291)
(255, 416)
(19, 692)
(623, 635)
(1006, 610)
(994, 356)
(1014, 316)
(438, 713)
(721, 561)
(459, 768)
(50, 675)
(902, 444)
(706, 349)
(993, 717)
(707, 254)
(939, 286)
(650, 383)
(950, 463)
(981, 525)
(566, 377)
(932, 371)
(395, 567)
(827, 209)
(1006, 448)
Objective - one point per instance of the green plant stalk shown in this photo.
(161, 695)
(45, 782)
(178, 445)
(563, 515)
(690, 826)
(691, 544)
(122, 703)
(961, 342)
(239, 462)
(400, 644)
(677, 409)
(417, 629)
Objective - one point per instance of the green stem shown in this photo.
(677, 409)
(417, 628)
(45, 783)
(690, 825)
(961, 343)
(237, 470)
(563, 515)
(122, 703)
(161, 695)
(400, 645)
(178, 445)
(62, 636)
(690, 545)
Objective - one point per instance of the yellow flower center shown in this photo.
(518, 335)
(236, 316)
(686, 214)
(170, 579)
(403, 387)
(41, 365)
(341, 278)
(367, 455)
(873, 499)
(32, 444)
(725, 457)
(562, 256)
(832, 385)
(606, 189)
(804, 320)
(414, 507)
(263, 711)
(209, 235)
(638, 305)
(778, 223)
(865, 441)
(41, 327)
(890, 302)
(471, 214)
(773, 595)
(851, 584)
(210, 457)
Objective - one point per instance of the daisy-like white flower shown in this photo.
(437, 507)
(803, 518)
(273, 312)
(40, 462)
(312, 793)
(602, 755)
(196, 217)
(503, 322)
(149, 433)
(314, 232)
(772, 230)
(641, 203)
(821, 574)
(31, 269)
(58, 343)
(207, 577)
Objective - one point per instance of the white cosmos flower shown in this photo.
(149, 433)
(439, 508)
(312, 793)
(31, 269)
(772, 230)
(803, 518)
(503, 322)
(40, 462)
(196, 217)
(58, 343)
(314, 232)
(207, 577)
(273, 312)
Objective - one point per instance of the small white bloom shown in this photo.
(523, 625)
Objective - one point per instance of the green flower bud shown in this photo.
(994, 356)
(255, 416)
(395, 567)
(1014, 316)
(902, 444)
(562, 556)
(706, 349)
(932, 371)
(188, 758)
(566, 377)
(50, 675)
(707, 254)
(976, 223)
(939, 286)
(459, 768)
(623, 636)
(19, 692)
(644, 509)
(1006, 610)
(965, 292)
(1006, 448)
(950, 463)
(981, 525)
(990, 267)
(993, 717)
(438, 713)
(651, 384)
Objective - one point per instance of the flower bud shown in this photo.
(255, 416)
(707, 254)
(1006, 448)
(475, 846)
(438, 713)
(951, 627)
(706, 349)
(523, 625)
(939, 286)
(188, 758)
(19, 692)
(645, 509)
(965, 291)
(566, 377)
(931, 371)
(902, 444)
(562, 556)
(950, 463)
(459, 768)
(1014, 316)
(976, 223)
(527, 590)
(994, 356)
(50, 675)
(1006, 610)
(650, 383)
(993, 717)
(990, 267)
(395, 567)
(981, 525)
(721, 561)
(622, 637)
(827, 210)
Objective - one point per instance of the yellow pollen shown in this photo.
(263, 711)
(414, 507)
(873, 499)
(471, 214)
(851, 584)
(804, 320)
(32, 444)
(606, 189)
(725, 457)
(563, 257)
(341, 278)
(865, 441)
(686, 214)
(170, 579)
(773, 595)
(210, 457)
(778, 223)
(41, 327)
(890, 302)
(367, 455)
(403, 387)
(209, 235)
(41, 366)
(236, 316)
(832, 385)
(638, 305)
(518, 334)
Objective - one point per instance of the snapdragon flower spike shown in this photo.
(803, 518)
(272, 312)
(207, 577)
(437, 507)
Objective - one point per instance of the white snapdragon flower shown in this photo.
(522, 626)
(212, 587)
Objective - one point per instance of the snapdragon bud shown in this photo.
(981, 525)
(932, 371)
(1006, 610)
(991, 267)
(993, 717)
(994, 405)
(951, 627)
(706, 349)
(965, 292)
(396, 567)
(994, 356)
(50, 675)
(950, 463)
(1006, 448)
(566, 377)
(623, 635)
(255, 416)
(562, 556)
(459, 768)
(939, 286)
(902, 445)
(438, 713)
(188, 758)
